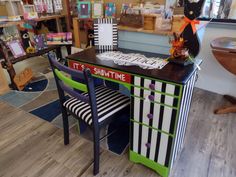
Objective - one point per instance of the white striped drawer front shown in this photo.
(151, 144)
(154, 115)
(150, 95)
(157, 86)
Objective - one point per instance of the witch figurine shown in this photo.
(192, 10)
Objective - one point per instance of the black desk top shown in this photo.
(171, 72)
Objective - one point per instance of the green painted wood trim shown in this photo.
(156, 102)
(137, 158)
(151, 78)
(163, 93)
(70, 82)
(154, 128)
(127, 85)
(176, 122)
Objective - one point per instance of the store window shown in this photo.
(219, 9)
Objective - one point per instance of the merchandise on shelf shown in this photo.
(48, 6)
(84, 9)
(40, 42)
(110, 10)
(30, 12)
(57, 5)
(39, 6)
(59, 38)
(97, 9)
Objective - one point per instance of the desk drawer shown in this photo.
(156, 85)
(151, 144)
(154, 115)
(152, 96)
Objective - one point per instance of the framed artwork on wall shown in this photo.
(84, 9)
(105, 34)
(97, 9)
(30, 12)
(110, 10)
(16, 48)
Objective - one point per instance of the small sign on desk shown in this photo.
(102, 72)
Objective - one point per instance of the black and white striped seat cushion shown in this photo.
(108, 103)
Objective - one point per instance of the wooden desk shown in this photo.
(160, 103)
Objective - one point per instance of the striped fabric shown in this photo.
(108, 47)
(151, 144)
(109, 102)
(160, 113)
(155, 121)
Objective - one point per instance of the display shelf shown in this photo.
(8, 24)
(141, 30)
(49, 17)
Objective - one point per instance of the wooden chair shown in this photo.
(224, 50)
(95, 106)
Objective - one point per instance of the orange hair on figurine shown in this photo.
(178, 50)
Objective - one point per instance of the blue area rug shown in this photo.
(118, 130)
(36, 86)
(49, 111)
(29, 93)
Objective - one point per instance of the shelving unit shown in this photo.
(79, 35)
(9, 61)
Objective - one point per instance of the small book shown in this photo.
(59, 38)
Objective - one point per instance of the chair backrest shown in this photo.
(67, 81)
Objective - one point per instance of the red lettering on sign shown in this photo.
(99, 71)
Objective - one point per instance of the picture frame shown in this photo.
(105, 34)
(110, 10)
(84, 9)
(97, 9)
(29, 12)
(16, 48)
(40, 42)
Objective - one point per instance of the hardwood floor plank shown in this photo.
(31, 147)
(112, 165)
(42, 144)
(203, 133)
(223, 158)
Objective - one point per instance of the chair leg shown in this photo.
(96, 152)
(65, 126)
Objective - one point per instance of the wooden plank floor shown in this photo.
(31, 147)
